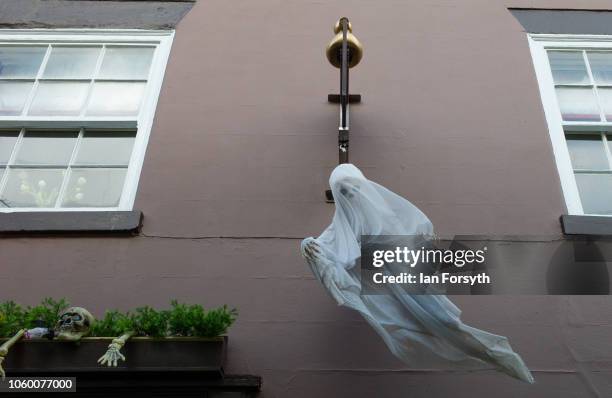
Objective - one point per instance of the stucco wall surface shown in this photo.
(237, 164)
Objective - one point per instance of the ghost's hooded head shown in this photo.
(364, 207)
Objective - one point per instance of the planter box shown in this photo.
(147, 356)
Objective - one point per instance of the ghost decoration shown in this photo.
(420, 330)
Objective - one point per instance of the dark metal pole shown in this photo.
(343, 131)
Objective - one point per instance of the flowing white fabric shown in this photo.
(421, 330)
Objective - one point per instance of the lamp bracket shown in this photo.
(337, 98)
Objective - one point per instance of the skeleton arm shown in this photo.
(4, 348)
(113, 354)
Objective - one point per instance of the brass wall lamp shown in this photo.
(344, 51)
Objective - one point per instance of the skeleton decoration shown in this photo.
(113, 354)
(421, 330)
(73, 324)
(4, 348)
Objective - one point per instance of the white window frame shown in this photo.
(539, 44)
(142, 124)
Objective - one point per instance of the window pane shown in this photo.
(601, 66)
(595, 193)
(94, 188)
(587, 152)
(126, 63)
(72, 62)
(568, 67)
(7, 143)
(32, 187)
(105, 148)
(578, 104)
(59, 99)
(116, 99)
(46, 148)
(13, 96)
(21, 62)
(2, 170)
(605, 97)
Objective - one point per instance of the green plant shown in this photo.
(149, 322)
(114, 323)
(45, 314)
(215, 322)
(181, 320)
(11, 318)
(194, 320)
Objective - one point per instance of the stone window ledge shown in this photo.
(115, 222)
(586, 225)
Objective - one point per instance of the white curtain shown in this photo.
(421, 330)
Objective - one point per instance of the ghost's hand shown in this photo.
(311, 250)
(112, 355)
(319, 263)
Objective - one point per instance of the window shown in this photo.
(575, 78)
(76, 109)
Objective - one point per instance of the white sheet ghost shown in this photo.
(421, 330)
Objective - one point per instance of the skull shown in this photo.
(73, 324)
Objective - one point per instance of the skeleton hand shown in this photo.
(2, 374)
(4, 349)
(113, 354)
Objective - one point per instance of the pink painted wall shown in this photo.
(238, 160)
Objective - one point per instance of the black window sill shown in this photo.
(71, 222)
(586, 225)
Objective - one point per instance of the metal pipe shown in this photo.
(343, 132)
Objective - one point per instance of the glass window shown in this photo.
(605, 97)
(101, 148)
(578, 104)
(126, 63)
(13, 96)
(32, 187)
(568, 67)
(116, 89)
(116, 99)
(592, 170)
(60, 102)
(595, 192)
(588, 152)
(582, 85)
(91, 165)
(72, 63)
(95, 187)
(46, 148)
(59, 99)
(7, 143)
(601, 65)
(20, 62)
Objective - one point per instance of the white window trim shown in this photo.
(162, 39)
(538, 44)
